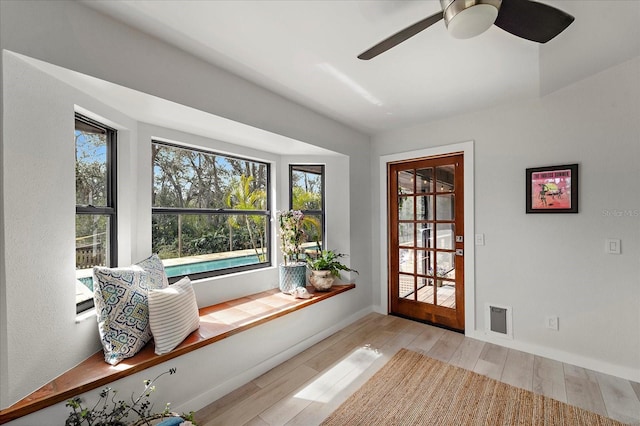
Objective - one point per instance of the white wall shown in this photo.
(38, 322)
(554, 264)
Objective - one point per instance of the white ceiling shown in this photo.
(306, 51)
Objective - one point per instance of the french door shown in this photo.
(426, 240)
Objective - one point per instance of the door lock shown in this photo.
(459, 252)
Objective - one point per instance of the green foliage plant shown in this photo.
(111, 411)
(328, 260)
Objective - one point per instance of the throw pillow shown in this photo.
(157, 276)
(173, 315)
(120, 296)
(122, 309)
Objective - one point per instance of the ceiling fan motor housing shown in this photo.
(469, 18)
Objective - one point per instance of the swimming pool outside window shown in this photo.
(211, 212)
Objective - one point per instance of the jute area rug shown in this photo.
(413, 389)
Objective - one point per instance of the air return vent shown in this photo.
(498, 320)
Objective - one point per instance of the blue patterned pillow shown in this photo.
(122, 307)
(157, 276)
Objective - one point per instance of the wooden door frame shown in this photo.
(467, 149)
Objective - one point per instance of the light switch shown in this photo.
(479, 239)
(612, 246)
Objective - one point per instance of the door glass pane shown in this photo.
(406, 260)
(424, 180)
(445, 176)
(406, 287)
(425, 290)
(446, 265)
(445, 209)
(445, 237)
(405, 208)
(424, 209)
(446, 294)
(405, 234)
(405, 182)
(424, 235)
(424, 262)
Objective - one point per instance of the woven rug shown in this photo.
(413, 389)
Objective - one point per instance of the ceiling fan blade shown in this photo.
(400, 36)
(532, 20)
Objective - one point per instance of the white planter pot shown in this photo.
(321, 280)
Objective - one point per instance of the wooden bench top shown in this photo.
(216, 323)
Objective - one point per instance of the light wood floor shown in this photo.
(311, 385)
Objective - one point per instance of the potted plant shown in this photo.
(325, 268)
(112, 411)
(292, 270)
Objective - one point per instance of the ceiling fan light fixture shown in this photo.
(469, 18)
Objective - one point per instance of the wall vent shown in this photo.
(498, 320)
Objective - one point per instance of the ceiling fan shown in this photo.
(468, 18)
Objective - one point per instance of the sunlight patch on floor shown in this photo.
(325, 387)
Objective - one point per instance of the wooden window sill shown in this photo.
(217, 322)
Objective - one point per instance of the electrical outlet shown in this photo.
(552, 323)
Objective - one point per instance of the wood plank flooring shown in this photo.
(307, 388)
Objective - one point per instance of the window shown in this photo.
(95, 146)
(211, 212)
(307, 195)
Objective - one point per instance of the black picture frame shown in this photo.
(552, 189)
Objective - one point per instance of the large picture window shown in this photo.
(211, 212)
(95, 146)
(306, 185)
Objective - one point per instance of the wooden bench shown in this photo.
(216, 323)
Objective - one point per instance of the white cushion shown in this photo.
(173, 315)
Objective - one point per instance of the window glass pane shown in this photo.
(312, 227)
(212, 241)
(306, 187)
(92, 249)
(95, 170)
(186, 178)
(203, 237)
(91, 165)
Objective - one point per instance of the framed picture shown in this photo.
(552, 189)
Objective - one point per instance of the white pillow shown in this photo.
(173, 315)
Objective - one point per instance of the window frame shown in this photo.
(322, 212)
(220, 212)
(111, 209)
